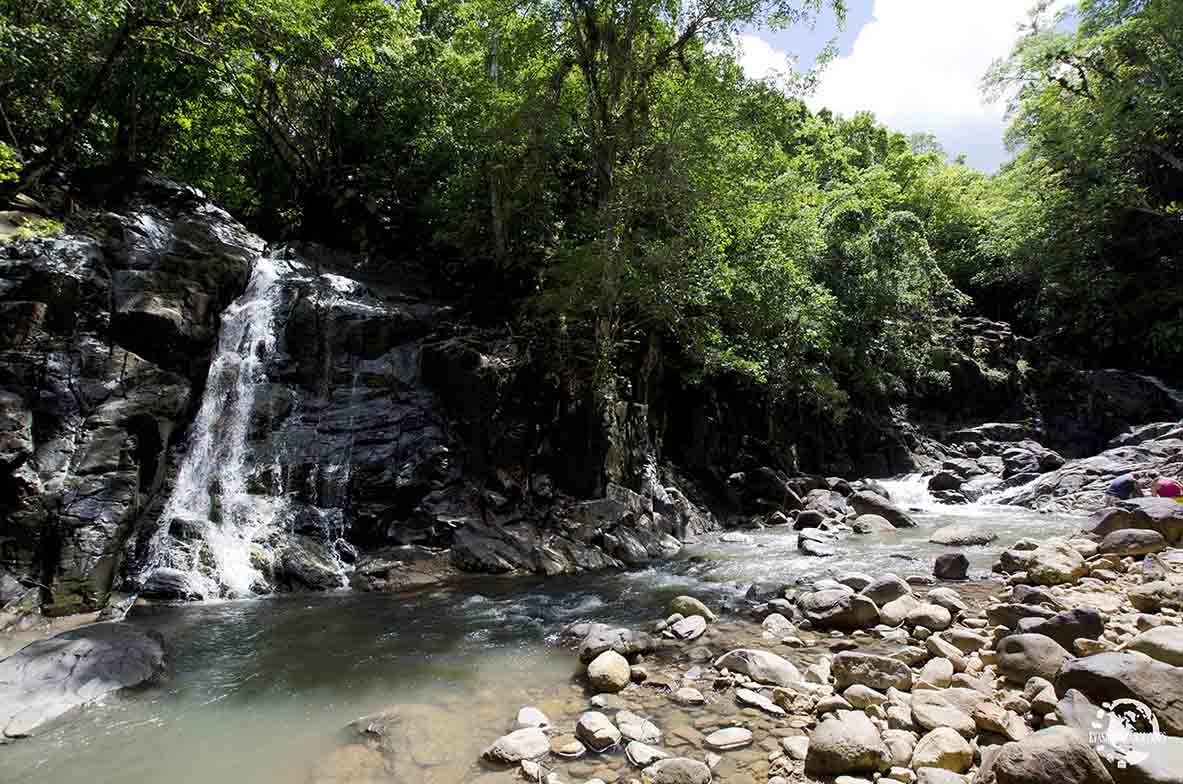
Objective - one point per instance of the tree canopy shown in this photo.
(611, 171)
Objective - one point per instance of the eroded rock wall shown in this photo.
(104, 338)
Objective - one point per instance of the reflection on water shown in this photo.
(261, 690)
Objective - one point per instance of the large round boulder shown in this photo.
(1132, 542)
(1114, 675)
(1057, 755)
(887, 588)
(608, 672)
(1055, 563)
(879, 672)
(839, 608)
(950, 566)
(1024, 656)
(943, 748)
(868, 502)
(1067, 626)
(49, 678)
(846, 742)
(601, 637)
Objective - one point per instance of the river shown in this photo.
(260, 689)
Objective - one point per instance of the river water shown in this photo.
(261, 689)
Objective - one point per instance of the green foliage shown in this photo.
(1084, 229)
(10, 164)
(606, 171)
(31, 227)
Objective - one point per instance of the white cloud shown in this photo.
(918, 66)
(760, 60)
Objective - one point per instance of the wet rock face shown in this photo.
(53, 677)
(103, 337)
(372, 422)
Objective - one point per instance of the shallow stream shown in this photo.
(261, 689)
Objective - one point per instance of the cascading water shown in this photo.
(210, 500)
(910, 492)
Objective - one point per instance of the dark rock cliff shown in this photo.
(104, 341)
(384, 441)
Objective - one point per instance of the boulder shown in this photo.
(608, 673)
(947, 598)
(637, 728)
(878, 672)
(1154, 514)
(868, 502)
(596, 731)
(687, 629)
(930, 616)
(642, 755)
(626, 642)
(886, 588)
(1009, 614)
(1030, 595)
(1057, 755)
(1024, 656)
(944, 480)
(936, 674)
(1029, 457)
(938, 776)
(895, 612)
(932, 708)
(1155, 596)
(1164, 643)
(846, 742)
(524, 744)
(1132, 542)
(871, 524)
(678, 770)
(856, 581)
(760, 666)
(687, 606)
(50, 678)
(816, 548)
(962, 536)
(755, 699)
(943, 748)
(808, 518)
(530, 717)
(838, 608)
(1157, 764)
(1055, 563)
(1105, 677)
(951, 566)
(1066, 627)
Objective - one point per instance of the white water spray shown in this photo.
(210, 496)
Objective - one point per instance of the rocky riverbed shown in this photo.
(750, 657)
(877, 678)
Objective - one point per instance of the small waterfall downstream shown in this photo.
(210, 507)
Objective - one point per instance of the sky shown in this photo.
(917, 64)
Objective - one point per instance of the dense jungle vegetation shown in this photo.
(605, 170)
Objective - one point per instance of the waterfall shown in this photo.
(210, 501)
